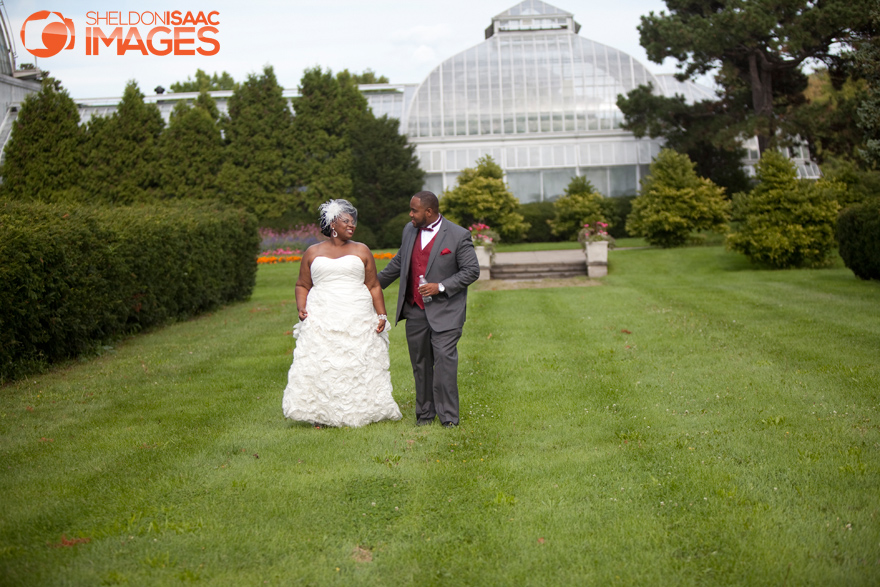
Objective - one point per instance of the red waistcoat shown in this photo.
(418, 265)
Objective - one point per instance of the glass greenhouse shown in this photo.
(541, 100)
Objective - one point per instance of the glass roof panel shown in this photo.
(532, 8)
(526, 82)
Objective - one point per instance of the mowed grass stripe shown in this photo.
(628, 433)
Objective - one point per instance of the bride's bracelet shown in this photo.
(383, 317)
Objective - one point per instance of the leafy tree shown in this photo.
(785, 222)
(368, 77)
(828, 120)
(257, 172)
(327, 111)
(859, 184)
(675, 202)
(581, 203)
(699, 131)
(204, 83)
(385, 170)
(192, 150)
(122, 153)
(867, 63)
(43, 157)
(756, 48)
(482, 196)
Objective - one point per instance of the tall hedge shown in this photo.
(858, 234)
(72, 277)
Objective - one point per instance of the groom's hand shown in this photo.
(429, 289)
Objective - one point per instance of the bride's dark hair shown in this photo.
(331, 210)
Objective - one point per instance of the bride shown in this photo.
(340, 373)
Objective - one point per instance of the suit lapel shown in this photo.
(438, 244)
(406, 245)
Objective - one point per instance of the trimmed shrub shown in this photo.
(616, 210)
(785, 222)
(858, 234)
(73, 277)
(481, 196)
(389, 238)
(675, 202)
(536, 215)
(580, 205)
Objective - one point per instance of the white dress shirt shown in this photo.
(429, 232)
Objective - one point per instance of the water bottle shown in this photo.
(423, 281)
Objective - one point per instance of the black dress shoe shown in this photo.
(424, 422)
(449, 424)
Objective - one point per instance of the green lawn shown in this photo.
(561, 246)
(691, 421)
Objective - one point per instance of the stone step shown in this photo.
(538, 270)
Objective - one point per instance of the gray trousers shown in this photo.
(434, 358)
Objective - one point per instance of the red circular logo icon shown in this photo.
(46, 33)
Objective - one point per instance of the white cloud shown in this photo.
(423, 34)
(424, 54)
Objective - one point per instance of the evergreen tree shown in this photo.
(327, 112)
(675, 202)
(122, 153)
(482, 196)
(204, 83)
(385, 170)
(256, 173)
(43, 157)
(756, 49)
(699, 131)
(786, 222)
(581, 203)
(192, 151)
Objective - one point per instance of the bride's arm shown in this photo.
(372, 282)
(304, 284)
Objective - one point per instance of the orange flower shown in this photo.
(272, 259)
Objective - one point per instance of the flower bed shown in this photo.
(278, 257)
(295, 240)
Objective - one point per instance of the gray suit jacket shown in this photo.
(456, 270)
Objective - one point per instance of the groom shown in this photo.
(444, 253)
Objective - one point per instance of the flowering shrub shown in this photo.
(295, 240)
(483, 236)
(286, 251)
(593, 232)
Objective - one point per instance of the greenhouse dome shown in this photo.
(542, 101)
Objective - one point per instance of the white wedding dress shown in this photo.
(340, 374)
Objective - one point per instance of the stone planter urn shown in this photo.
(484, 256)
(597, 258)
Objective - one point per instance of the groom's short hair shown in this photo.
(428, 200)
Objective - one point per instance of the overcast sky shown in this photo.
(403, 41)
